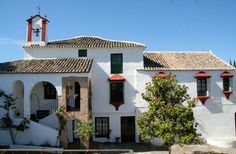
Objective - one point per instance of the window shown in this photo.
(49, 91)
(101, 127)
(226, 84)
(73, 96)
(116, 63)
(116, 92)
(2, 124)
(82, 53)
(202, 87)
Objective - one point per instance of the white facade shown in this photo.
(216, 118)
(218, 112)
(101, 107)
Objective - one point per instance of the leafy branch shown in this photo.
(8, 105)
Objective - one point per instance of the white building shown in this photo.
(103, 79)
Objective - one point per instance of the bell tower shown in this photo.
(37, 30)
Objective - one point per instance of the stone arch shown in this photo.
(18, 93)
(43, 100)
(73, 89)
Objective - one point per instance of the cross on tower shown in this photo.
(38, 9)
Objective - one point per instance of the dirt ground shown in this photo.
(175, 149)
(190, 149)
(149, 149)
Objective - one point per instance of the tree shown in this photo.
(84, 131)
(9, 105)
(170, 113)
(60, 113)
(230, 62)
(234, 64)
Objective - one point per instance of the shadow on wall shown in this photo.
(100, 89)
(232, 97)
(218, 99)
(214, 105)
(201, 128)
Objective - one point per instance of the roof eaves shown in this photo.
(187, 69)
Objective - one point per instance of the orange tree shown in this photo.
(170, 113)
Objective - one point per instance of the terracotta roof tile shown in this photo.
(184, 61)
(88, 42)
(69, 65)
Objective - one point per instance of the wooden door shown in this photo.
(128, 129)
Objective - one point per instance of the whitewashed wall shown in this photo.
(37, 97)
(29, 80)
(101, 107)
(34, 53)
(216, 118)
(132, 60)
(32, 135)
(51, 121)
(18, 93)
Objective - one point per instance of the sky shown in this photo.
(162, 25)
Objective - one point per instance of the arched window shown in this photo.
(73, 96)
(49, 91)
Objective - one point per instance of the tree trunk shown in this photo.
(84, 142)
(169, 147)
(12, 135)
(63, 138)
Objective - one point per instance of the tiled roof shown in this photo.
(36, 66)
(184, 61)
(37, 15)
(88, 42)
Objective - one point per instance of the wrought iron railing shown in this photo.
(50, 106)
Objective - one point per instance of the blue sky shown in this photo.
(192, 25)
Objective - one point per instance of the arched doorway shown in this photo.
(18, 93)
(43, 100)
(73, 96)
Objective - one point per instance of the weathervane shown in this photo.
(38, 9)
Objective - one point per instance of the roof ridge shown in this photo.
(88, 42)
(71, 38)
(184, 61)
(73, 65)
(176, 51)
(60, 58)
(124, 41)
(98, 37)
(221, 60)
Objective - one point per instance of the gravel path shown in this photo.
(175, 149)
(190, 149)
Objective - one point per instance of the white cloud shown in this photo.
(9, 41)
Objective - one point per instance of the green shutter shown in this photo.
(82, 53)
(116, 63)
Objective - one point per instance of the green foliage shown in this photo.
(23, 125)
(169, 115)
(232, 63)
(84, 128)
(60, 112)
(9, 104)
